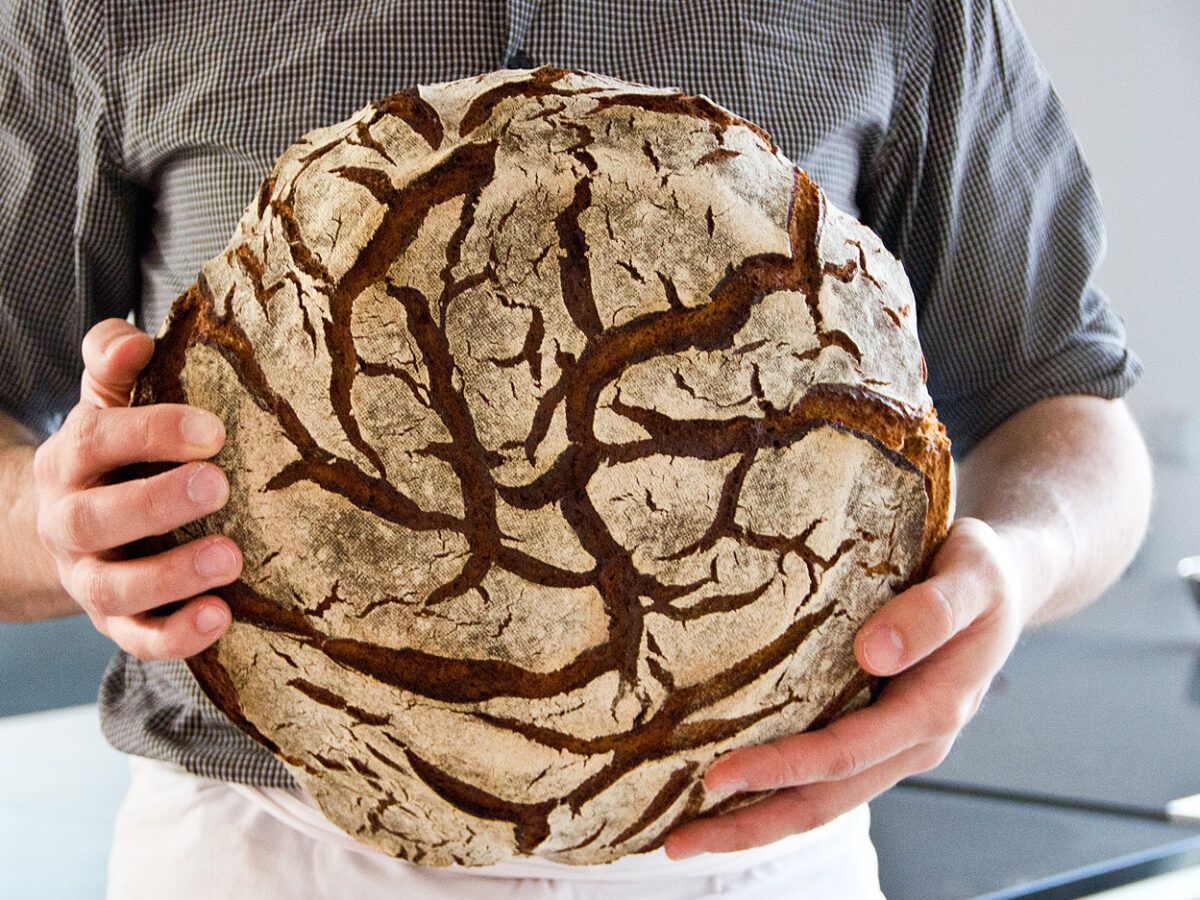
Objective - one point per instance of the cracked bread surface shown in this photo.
(572, 435)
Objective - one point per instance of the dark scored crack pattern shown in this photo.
(572, 435)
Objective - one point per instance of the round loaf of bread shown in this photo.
(572, 435)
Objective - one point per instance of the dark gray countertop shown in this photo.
(946, 846)
(1092, 715)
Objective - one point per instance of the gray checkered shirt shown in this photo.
(133, 133)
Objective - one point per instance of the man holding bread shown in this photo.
(136, 137)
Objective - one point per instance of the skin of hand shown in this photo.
(84, 520)
(1055, 503)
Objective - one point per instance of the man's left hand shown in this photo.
(943, 641)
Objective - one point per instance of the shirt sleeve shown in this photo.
(982, 191)
(68, 217)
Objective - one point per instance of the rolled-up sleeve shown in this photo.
(984, 194)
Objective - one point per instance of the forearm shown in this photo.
(29, 585)
(1067, 484)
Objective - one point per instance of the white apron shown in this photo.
(190, 838)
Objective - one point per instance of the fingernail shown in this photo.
(210, 619)
(207, 486)
(200, 429)
(678, 853)
(884, 649)
(111, 348)
(723, 789)
(215, 559)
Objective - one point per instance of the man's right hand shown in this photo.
(84, 521)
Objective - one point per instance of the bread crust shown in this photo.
(571, 436)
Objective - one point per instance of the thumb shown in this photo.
(114, 353)
(967, 578)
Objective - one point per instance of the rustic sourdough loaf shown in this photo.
(571, 436)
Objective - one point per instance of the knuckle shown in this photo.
(932, 755)
(785, 769)
(924, 759)
(76, 520)
(945, 720)
(92, 590)
(843, 763)
(159, 640)
(970, 705)
(941, 609)
(131, 639)
(150, 647)
(46, 530)
(142, 429)
(154, 502)
(83, 430)
(949, 719)
(165, 581)
(45, 470)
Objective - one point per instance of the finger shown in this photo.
(114, 353)
(135, 586)
(840, 750)
(931, 701)
(92, 442)
(183, 633)
(104, 518)
(795, 810)
(966, 581)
